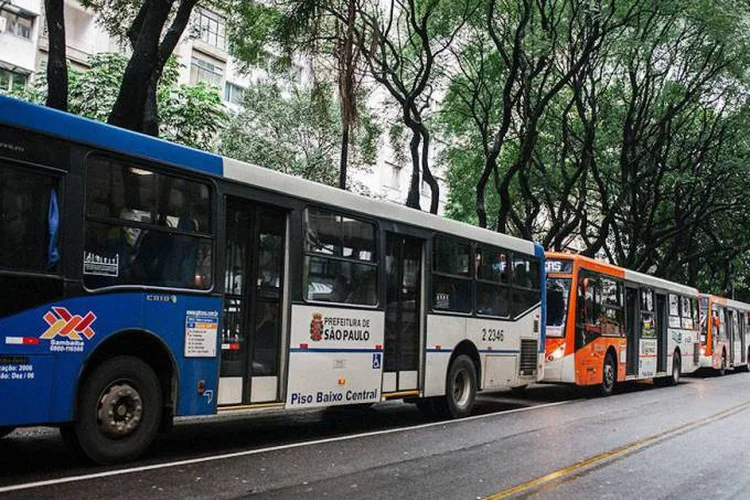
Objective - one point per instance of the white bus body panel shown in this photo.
(498, 343)
(344, 366)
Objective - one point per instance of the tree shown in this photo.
(285, 128)
(57, 67)
(640, 155)
(153, 38)
(324, 31)
(190, 114)
(291, 129)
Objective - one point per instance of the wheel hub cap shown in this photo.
(120, 410)
(461, 388)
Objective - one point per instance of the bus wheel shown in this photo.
(746, 367)
(676, 370)
(609, 377)
(460, 388)
(723, 369)
(4, 431)
(119, 411)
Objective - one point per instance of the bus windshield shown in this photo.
(558, 291)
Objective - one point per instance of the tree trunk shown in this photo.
(57, 68)
(129, 109)
(412, 199)
(151, 108)
(347, 95)
(343, 163)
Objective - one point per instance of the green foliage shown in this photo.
(290, 129)
(189, 114)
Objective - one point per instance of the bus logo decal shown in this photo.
(64, 324)
(316, 327)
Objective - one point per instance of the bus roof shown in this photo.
(86, 131)
(627, 274)
(736, 304)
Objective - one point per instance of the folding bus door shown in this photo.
(662, 330)
(251, 335)
(743, 340)
(632, 327)
(735, 336)
(403, 313)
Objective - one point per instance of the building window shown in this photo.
(16, 24)
(12, 81)
(234, 94)
(205, 71)
(211, 28)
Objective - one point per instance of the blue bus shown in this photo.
(143, 281)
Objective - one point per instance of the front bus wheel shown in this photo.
(119, 411)
(460, 388)
(609, 377)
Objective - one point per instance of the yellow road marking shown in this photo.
(607, 455)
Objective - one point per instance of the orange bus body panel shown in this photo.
(589, 360)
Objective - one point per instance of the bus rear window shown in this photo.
(558, 293)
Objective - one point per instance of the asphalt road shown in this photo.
(689, 441)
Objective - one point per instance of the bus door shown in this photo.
(632, 324)
(736, 346)
(662, 331)
(648, 334)
(403, 313)
(743, 341)
(251, 335)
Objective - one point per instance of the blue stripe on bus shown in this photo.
(539, 252)
(481, 351)
(86, 131)
(333, 349)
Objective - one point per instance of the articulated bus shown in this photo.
(725, 334)
(607, 324)
(142, 280)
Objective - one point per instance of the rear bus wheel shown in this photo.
(723, 369)
(460, 388)
(4, 431)
(676, 370)
(119, 411)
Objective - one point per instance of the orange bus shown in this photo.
(725, 327)
(606, 324)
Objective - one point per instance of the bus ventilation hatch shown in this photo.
(528, 357)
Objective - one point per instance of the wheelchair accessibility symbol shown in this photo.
(377, 360)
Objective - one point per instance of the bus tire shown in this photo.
(119, 411)
(674, 379)
(723, 370)
(746, 366)
(609, 377)
(460, 388)
(4, 431)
